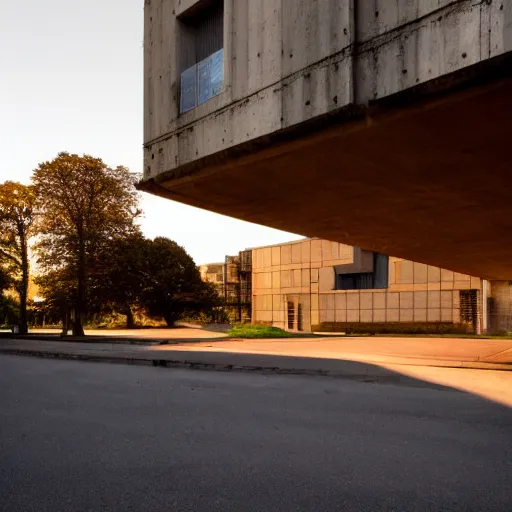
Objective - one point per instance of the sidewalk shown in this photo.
(321, 356)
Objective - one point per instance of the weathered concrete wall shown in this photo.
(289, 61)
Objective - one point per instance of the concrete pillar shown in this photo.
(484, 317)
(501, 307)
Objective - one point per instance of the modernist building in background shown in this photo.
(309, 282)
(301, 285)
(233, 280)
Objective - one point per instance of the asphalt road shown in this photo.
(98, 437)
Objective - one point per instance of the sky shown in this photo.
(71, 80)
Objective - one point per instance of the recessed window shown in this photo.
(202, 54)
(378, 279)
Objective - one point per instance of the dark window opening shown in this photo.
(376, 280)
(469, 307)
(202, 55)
(300, 318)
(291, 315)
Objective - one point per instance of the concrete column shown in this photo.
(484, 320)
(501, 306)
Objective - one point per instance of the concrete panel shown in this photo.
(379, 300)
(461, 277)
(406, 300)
(265, 316)
(340, 315)
(420, 315)
(326, 251)
(393, 300)
(393, 315)
(447, 300)
(316, 251)
(406, 315)
(326, 279)
(500, 26)
(353, 301)
(278, 303)
(420, 300)
(446, 276)
(313, 31)
(380, 16)
(346, 253)
(353, 316)
(476, 283)
(420, 273)
(404, 271)
(434, 299)
(306, 252)
(297, 278)
(314, 275)
(286, 278)
(327, 301)
(366, 315)
(306, 277)
(340, 301)
(276, 279)
(434, 274)
(296, 253)
(366, 300)
(434, 315)
(267, 257)
(314, 302)
(276, 256)
(379, 315)
(286, 254)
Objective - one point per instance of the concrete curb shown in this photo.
(112, 340)
(376, 373)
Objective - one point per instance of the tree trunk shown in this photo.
(130, 321)
(78, 329)
(65, 323)
(170, 319)
(24, 286)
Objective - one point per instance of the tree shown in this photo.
(172, 286)
(57, 288)
(16, 222)
(83, 205)
(122, 269)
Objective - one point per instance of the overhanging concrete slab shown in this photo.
(425, 175)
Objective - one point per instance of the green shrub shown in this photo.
(257, 331)
(394, 328)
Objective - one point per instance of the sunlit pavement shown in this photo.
(433, 360)
(96, 437)
(162, 334)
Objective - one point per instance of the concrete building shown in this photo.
(233, 280)
(307, 283)
(315, 284)
(381, 124)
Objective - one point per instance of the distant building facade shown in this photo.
(313, 283)
(233, 281)
(303, 284)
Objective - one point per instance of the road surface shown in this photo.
(96, 437)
